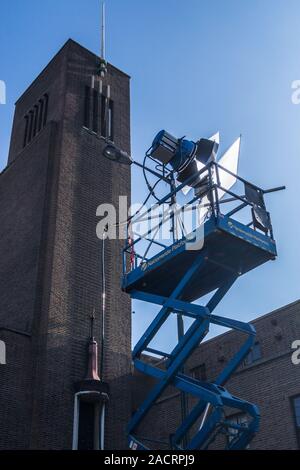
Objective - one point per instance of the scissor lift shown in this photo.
(178, 275)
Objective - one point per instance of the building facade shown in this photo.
(268, 377)
(51, 260)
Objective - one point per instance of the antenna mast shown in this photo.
(103, 67)
(103, 32)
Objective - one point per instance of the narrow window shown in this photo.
(86, 117)
(26, 130)
(103, 116)
(95, 110)
(30, 126)
(86, 426)
(46, 102)
(107, 118)
(87, 430)
(254, 355)
(110, 120)
(256, 352)
(35, 121)
(41, 112)
(296, 411)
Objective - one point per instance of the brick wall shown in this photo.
(15, 391)
(65, 274)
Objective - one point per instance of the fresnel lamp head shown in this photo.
(184, 156)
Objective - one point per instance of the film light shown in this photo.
(184, 156)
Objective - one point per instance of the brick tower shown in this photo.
(50, 270)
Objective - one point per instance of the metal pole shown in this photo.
(173, 209)
(103, 305)
(102, 428)
(204, 416)
(183, 396)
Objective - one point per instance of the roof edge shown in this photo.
(65, 45)
(256, 320)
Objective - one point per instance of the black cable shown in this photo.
(139, 210)
(103, 303)
(149, 186)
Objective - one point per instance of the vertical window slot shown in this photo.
(103, 116)
(35, 121)
(46, 99)
(41, 112)
(26, 130)
(30, 126)
(110, 121)
(86, 117)
(95, 110)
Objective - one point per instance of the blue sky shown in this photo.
(197, 66)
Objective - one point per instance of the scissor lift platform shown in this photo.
(228, 247)
(208, 261)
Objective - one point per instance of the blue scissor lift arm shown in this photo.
(195, 274)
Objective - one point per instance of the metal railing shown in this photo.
(212, 194)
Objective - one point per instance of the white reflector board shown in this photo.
(215, 138)
(230, 161)
(203, 210)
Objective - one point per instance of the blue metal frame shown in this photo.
(213, 394)
(212, 398)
